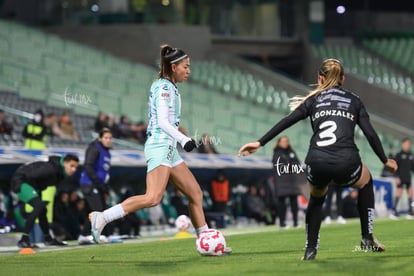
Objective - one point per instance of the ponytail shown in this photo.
(332, 71)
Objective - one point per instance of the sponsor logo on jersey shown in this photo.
(342, 105)
(323, 104)
(165, 95)
(324, 97)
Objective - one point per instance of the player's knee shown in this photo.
(153, 200)
(196, 195)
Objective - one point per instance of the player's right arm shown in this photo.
(295, 116)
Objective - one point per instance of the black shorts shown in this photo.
(344, 174)
(407, 185)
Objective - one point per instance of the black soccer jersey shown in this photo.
(405, 164)
(333, 113)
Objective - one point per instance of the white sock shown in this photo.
(114, 213)
(201, 229)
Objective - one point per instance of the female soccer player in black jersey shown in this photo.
(333, 155)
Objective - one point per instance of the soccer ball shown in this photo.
(211, 242)
(183, 223)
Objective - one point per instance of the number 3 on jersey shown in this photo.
(327, 134)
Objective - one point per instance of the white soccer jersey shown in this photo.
(164, 111)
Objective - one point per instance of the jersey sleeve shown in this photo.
(371, 135)
(164, 105)
(295, 116)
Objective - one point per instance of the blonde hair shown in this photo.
(332, 72)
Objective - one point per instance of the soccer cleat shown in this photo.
(410, 217)
(26, 244)
(394, 217)
(310, 254)
(341, 220)
(372, 245)
(85, 240)
(54, 242)
(97, 225)
(328, 220)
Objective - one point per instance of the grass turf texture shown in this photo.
(267, 252)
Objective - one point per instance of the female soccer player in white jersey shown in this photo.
(163, 161)
(334, 112)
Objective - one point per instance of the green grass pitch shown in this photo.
(267, 251)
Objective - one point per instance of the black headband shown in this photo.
(175, 55)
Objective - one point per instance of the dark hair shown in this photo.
(168, 57)
(103, 131)
(70, 157)
(278, 141)
(406, 139)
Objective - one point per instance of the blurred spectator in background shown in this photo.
(130, 225)
(52, 127)
(5, 127)
(100, 122)
(386, 171)
(286, 180)
(111, 124)
(205, 145)
(139, 131)
(405, 162)
(94, 178)
(35, 132)
(81, 214)
(267, 192)
(123, 128)
(350, 204)
(220, 192)
(30, 181)
(337, 190)
(254, 206)
(65, 124)
(179, 202)
(64, 222)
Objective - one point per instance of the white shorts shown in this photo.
(158, 154)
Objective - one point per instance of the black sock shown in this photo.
(410, 208)
(366, 208)
(313, 221)
(396, 199)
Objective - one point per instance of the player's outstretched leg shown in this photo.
(157, 180)
(313, 225)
